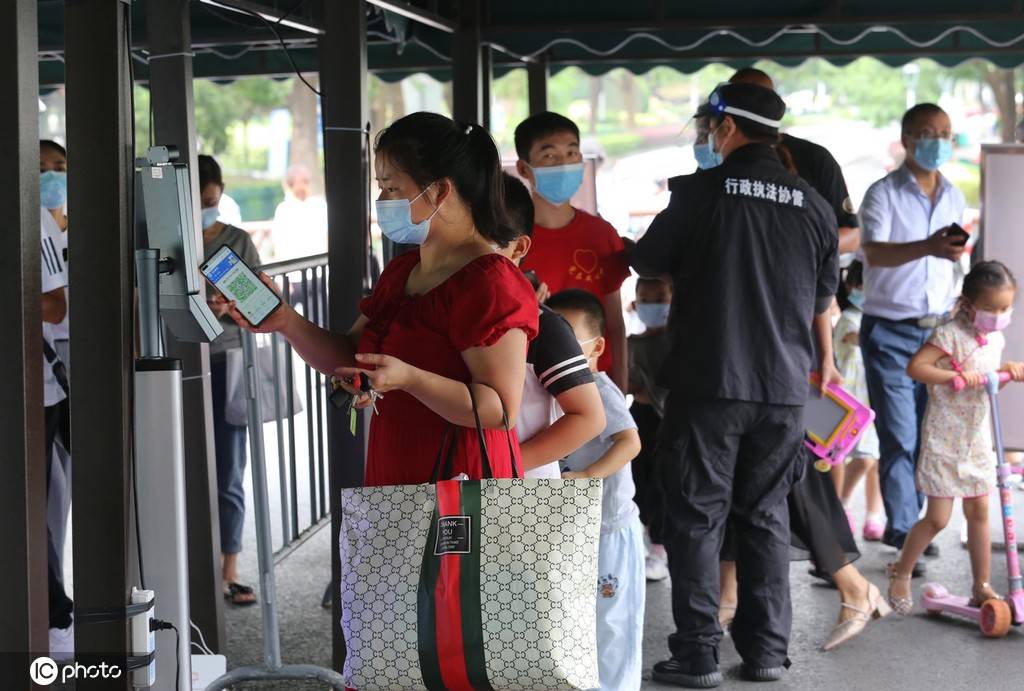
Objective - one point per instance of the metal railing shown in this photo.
(298, 442)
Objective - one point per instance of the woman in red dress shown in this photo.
(450, 314)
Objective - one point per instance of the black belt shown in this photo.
(929, 322)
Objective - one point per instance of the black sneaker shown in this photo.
(687, 674)
(920, 569)
(751, 673)
(932, 550)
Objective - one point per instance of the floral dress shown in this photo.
(957, 456)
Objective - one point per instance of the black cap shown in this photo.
(757, 104)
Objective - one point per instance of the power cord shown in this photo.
(273, 26)
(161, 625)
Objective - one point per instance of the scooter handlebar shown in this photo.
(993, 381)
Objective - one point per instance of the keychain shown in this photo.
(340, 397)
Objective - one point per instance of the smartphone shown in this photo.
(531, 276)
(236, 281)
(955, 231)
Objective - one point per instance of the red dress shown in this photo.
(476, 306)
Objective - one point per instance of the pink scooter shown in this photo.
(995, 616)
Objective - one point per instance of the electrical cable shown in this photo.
(131, 318)
(160, 625)
(791, 29)
(204, 647)
(273, 26)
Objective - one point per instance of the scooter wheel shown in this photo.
(995, 618)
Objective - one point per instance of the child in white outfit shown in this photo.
(621, 583)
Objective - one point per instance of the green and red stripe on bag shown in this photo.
(471, 585)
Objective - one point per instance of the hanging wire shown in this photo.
(787, 30)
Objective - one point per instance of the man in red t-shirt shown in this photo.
(571, 248)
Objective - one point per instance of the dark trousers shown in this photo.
(61, 607)
(719, 458)
(899, 404)
(650, 497)
(229, 448)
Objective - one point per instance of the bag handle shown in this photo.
(445, 460)
(449, 440)
(488, 474)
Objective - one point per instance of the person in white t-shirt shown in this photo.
(55, 393)
(300, 221)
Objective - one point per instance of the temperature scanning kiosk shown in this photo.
(171, 293)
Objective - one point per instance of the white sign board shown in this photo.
(1002, 238)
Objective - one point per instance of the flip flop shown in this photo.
(238, 594)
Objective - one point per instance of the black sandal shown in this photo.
(239, 595)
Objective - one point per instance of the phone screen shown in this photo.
(238, 282)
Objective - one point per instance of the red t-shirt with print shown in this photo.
(587, 254)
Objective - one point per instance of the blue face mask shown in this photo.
(856, 298)
(706, 158)
(53, 189)
(210, 215)
(394, 216)
(931, 154)
(557, 184)
(653, 315)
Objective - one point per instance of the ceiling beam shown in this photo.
(417, 14)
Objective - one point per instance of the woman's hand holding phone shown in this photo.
(276, 322)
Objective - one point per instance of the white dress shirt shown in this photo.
(896, 210)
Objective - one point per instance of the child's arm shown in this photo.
(583, 420)
(625, 447)
(923, 367)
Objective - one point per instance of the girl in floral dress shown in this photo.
(957, 457)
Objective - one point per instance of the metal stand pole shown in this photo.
(272, 667)
(160, 468)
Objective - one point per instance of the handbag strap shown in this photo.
(483, 442)
(443, 464)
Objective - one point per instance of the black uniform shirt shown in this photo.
(816, 165)
(753, 251)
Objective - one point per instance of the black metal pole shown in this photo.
(486, 79)
(467, 65)
(23, 595)
(345, 106)
(170, 85)
(100, 256)
(537, 73)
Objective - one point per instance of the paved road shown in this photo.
(916, 653)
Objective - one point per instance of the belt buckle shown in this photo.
(929, 322)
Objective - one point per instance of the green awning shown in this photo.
(597, 35)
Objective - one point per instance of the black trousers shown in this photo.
(649, 496)
(817, 522)
(61, 607)
(719, 459)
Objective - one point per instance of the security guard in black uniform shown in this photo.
(752, 250)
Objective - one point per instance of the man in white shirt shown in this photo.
(300, 221)
(910, 284)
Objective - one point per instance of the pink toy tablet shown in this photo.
(834, 423)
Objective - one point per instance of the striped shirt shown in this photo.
(554, 365)
(54, 276)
